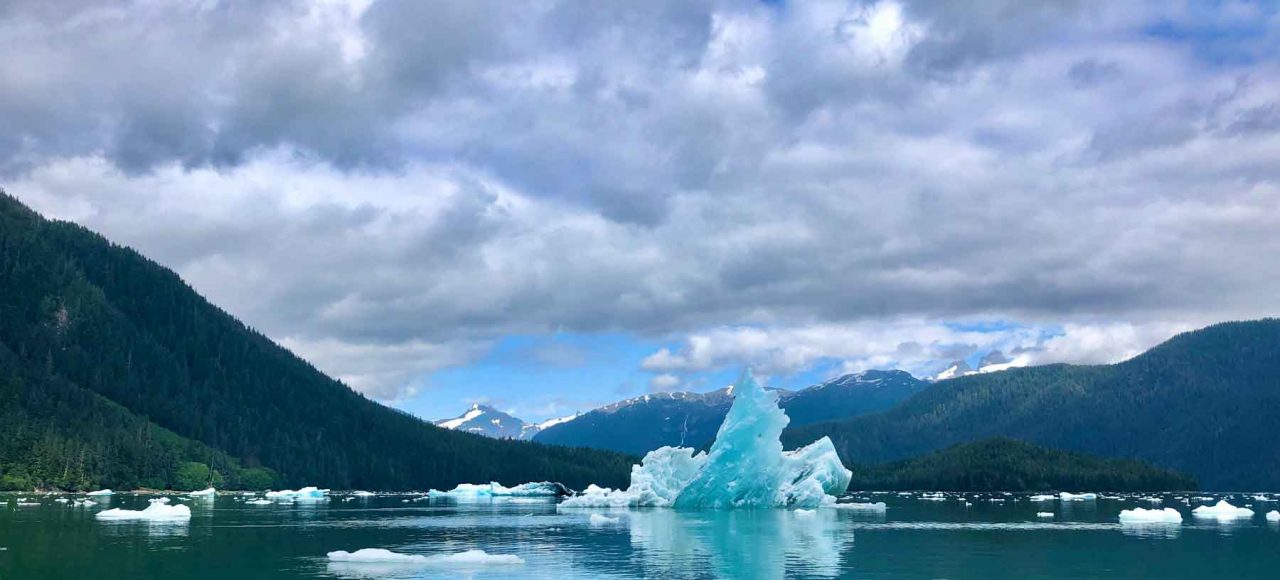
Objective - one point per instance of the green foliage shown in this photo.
(1204, 403)
(193, 475)
(114, 373)
(258, 478)
(1001, 464)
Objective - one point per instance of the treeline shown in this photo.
(180, 381)
(1205, 403)
(1002, 464)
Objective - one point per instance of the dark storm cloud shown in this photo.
(403, 182)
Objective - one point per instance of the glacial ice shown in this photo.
(304, 494)
(600, 520)
(156, 511)
(495, 489)
(1066, 496)
(259, 501)
(745, 467)
(862, 507)
(100, 492)
(208, 492)
(1043, 497)
(363, 493)
(1273, 516)
(1222, 511)
(1046, 514)
(803, 513)
(381, 556)
(1153, 516)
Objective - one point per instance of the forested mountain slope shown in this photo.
(1205, 403)
(98, 341)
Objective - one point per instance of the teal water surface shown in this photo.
(227, 538)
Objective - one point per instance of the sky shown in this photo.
(553, 205)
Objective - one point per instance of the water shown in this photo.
(227, 539)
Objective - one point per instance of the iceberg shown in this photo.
(745, 467)
(100, 492)
(156, 511)
(1273, 516)
(381, 556)
(1222, 511)
(600, 520)
(208, 492)
(495, 489)
(1150, 516)
(1065, 496)
(304, 494)
(862, 507)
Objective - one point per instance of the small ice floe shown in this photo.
(1044, 514)
(84, 503)
(207, 492)
(600, 520)
(158, 500)
(1273, 516)
(62, 500)
(304, 494)
(803, 513)
(1261, 497)
(100, 492)
(1222, 511)
(259, 501)
(23, 503)
(1150, 516)
(495, 489)
(1066, 496)
(381, 556)
(932, 497)
(1151, 499)
(154, 512)
(363, 494)
(878, 507)
(1043, 497)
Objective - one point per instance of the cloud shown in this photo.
(784, 181)
(663, 383)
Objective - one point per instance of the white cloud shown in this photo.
(664, 382)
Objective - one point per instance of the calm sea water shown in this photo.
(229, 539)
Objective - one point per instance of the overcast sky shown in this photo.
(551, 205)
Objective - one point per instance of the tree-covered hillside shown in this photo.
(110, 362)
(1001, 464)
(1204, 403)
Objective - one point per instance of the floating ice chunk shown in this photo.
(1043, 497)
(933, 497)
(84, 503)
(62, 500)
(1261, 497)
(1066, 496)
(158, 500)
(154, 512)
(363, 493)
(1044, 514)
(27, 503)
(1151, 499)
(745, 467)
(100, 492)
(1273, 516)
(304, 494)
(381, 556)
(495, 489)
(1222, 511)
(260, 501)
(209, 492)
(803, 513)
(600, 520)
(862, 507)
(1145, 516)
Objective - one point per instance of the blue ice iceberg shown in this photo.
(745, 467)
(495, 489)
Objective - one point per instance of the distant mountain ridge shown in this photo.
(641, 424)
(485, 420)
(1205, 403)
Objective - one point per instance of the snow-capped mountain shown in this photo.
(991, 362)
(490, 422)
(641, 424)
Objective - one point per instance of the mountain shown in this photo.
(645, 423)
(115, 373)
(490, 422)
(1204, 403)
(1001, 464)
(958, 368)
